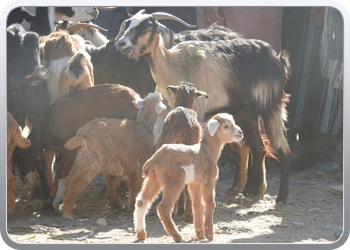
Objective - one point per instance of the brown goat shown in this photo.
(175, 165)
(113, 147)
(15, 138)
(62, 123)
(181, 126)
(71, 67)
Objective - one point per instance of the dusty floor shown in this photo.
(311, 215)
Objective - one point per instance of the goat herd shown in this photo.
(153, 105)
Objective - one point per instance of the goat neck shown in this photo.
(212, 145)
(162, 56)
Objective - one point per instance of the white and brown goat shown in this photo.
(113, 147)
(175, 165)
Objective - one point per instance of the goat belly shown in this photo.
(189, 173)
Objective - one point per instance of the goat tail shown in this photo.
(147, 168)
(74, 143)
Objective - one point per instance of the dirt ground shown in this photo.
(312, 214)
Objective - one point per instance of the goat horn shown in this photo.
(107, 8)
(73, 28)
(163, 15)
(58, 25)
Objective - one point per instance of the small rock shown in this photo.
(102, 222)
(338, 232)
(299, 224)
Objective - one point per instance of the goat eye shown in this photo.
(148, 30)
(226, 126)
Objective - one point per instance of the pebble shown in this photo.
(338, 232)
(102, 222)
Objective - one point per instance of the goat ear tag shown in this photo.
(160, 108)
(213, 126)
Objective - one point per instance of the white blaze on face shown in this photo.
(134, 22)
(189, 173)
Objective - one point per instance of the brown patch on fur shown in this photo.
(58, 45)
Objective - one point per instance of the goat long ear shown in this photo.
(172, 88)
(213, 125)
(139, 104)
(201, 93)
(167, 34)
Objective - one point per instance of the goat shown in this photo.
(111, 67)
(48, 17)
(15, 138)
(109, 146)
(17, 15)
(175, 165)
(181, 126)
(27, 91)
(62, 123)
(70, 66)
(90, 32)
(237, 74)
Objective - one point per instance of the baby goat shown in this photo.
(181, 126)
(175, 165)
(113, 147)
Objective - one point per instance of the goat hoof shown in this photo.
(209, 235)
(232, 192)
(177, 238)
(48, 207)
(281, 200)
(141, 235)
(116, 204)
(200, 234)
(67, 216)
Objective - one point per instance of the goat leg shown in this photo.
(240, 178)
(170, 196)
(285, 170)
(188, 207)
(44, 187)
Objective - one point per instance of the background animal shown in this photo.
(15, 138)
(27, 93)
(114, 147)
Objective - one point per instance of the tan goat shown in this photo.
(70, 66)
(113, 147)
(14, 138)
(175, 165)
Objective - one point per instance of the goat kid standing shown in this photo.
(175, 165)
(113, 147)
